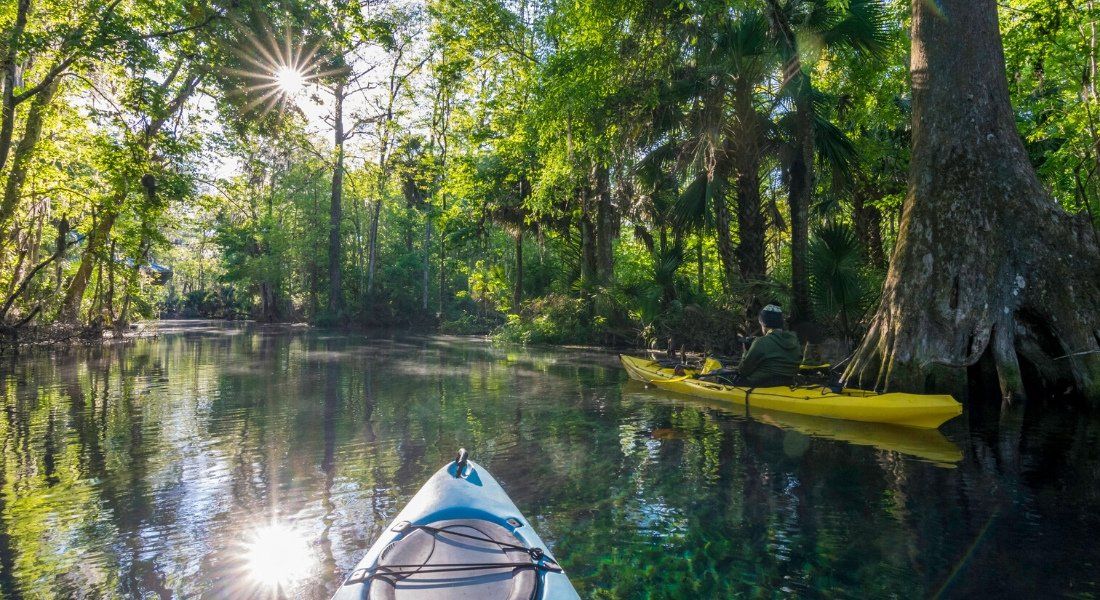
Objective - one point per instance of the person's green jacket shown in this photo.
(772, 359)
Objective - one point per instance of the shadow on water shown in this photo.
(248, 461)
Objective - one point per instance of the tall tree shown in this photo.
(137, 163)
(986, 264)
(398, 32)
(798, 24)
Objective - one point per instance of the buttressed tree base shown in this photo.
(986, 264)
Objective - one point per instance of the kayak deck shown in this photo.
(460, 537)
(913, 410)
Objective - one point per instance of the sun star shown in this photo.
(290, 80)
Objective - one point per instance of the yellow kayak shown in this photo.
(914, 410)
(925, 444)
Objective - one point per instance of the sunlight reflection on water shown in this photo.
(277, 556)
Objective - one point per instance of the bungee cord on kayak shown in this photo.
(396, 570)
(460, 522)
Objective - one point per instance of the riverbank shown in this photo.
(13, 339)
(62, 336)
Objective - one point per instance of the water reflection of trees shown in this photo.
(135, 470)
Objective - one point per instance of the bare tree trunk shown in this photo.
(868, 226)
(427, 259)
(986, 264)
(336, 211)
(750, 230)
(442, 253)
(517, 289)
(111, 282)
(589, 261)
(589, 269)
(746, 155)
(606, 225)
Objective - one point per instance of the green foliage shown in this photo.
(842, 285)
(588, 171)
(552, 319)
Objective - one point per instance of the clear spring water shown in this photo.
(244, 461)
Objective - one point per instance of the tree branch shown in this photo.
(26, 281)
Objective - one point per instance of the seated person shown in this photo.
(773, 358)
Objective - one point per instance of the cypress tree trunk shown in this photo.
(589, 272)
(427, 260)
(986, 264)
(589, 218)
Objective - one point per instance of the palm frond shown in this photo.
(863, 28)
(835, 148)
(690, 209)
(840, 286)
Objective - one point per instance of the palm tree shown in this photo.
(860, 27)
(723, 135)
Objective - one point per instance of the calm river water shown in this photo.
(250, 462)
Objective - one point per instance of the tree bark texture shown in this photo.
(598, 226)
(606, 225)
(986, 264)
(868, 226)
(10, 70)
(588, 245)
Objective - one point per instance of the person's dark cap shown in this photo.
(771, 316)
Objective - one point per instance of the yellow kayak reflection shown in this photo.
(925, 444)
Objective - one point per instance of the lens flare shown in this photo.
(274, 72)
(290, 80)
(277, 556)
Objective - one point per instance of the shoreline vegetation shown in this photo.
(62, 337)
(646, 175)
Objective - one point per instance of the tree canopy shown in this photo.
(647, 172)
